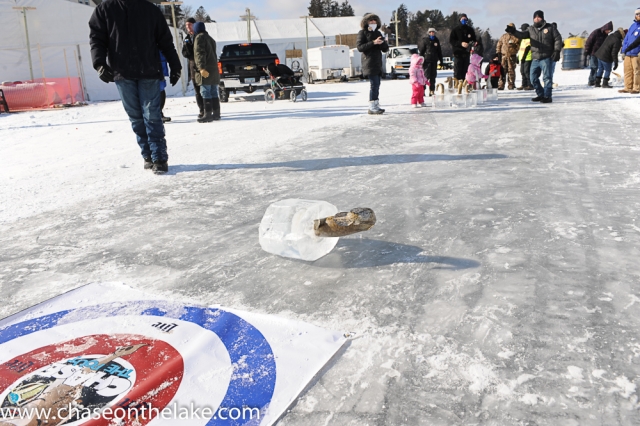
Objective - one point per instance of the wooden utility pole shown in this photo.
(249, 17)
(175, 34)
(26, 30)
(396, 22)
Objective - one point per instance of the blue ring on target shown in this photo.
(247, 347)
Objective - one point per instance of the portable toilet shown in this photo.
(573, 53)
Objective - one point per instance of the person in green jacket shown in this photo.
(207, 75)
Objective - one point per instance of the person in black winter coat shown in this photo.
(431, 50)
(607, 56)
(595, 40)
(460, 39)
(187, 51)
(372, 44)
(125, 36)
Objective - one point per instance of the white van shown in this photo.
(399, 60)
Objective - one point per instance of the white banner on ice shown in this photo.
(106, 354)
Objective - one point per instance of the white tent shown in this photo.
(56, 28)
(285, 34)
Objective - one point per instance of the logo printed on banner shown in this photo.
(251, 384)
(89, 374)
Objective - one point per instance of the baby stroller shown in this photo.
(283, 84)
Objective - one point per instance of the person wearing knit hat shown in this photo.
(631, 50)
(207, 73)
(524, 56)
(508, 47)
(461, 38)
(430, 49)
(187, 52)
(546, 44)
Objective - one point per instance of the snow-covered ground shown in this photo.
(499, 286)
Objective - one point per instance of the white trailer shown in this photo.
(328, 62)
(355, 62)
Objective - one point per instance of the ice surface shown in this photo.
(287, 229)
(501, 231)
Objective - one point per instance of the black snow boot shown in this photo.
(160, 167)
(216, 109)
(605, 84)
(148, 163)
(200, 103)
(208, 112)
(537, 99)
(546, 100)
(598, 81)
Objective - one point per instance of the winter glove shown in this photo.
(624, 55)
(517, 60)
(556, 56)
(510, 29)
(204, 73)
(615, 66)
(105, 73)
(174, 78)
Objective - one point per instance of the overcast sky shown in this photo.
(571, 16)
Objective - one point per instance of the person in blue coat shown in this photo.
(631, 49)
(163, 85)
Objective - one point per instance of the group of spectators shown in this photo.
(603, 47)
(133, 52)
(536, 48)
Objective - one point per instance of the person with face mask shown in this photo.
(431, 50)
(461, 38)
(631, 49)
(546, 44)
(371, 44)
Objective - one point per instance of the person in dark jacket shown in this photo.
(187, 52)
(460, 39)
(607, 56)
(125, 36)
(595, 40)
(431, 50)
(207, 73)
(495, 71)
(546, 44)
(372, 44)
(524, 56)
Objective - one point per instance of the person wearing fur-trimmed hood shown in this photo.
(372, 44)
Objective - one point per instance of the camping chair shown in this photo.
(3, 102)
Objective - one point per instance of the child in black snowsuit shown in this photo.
(495, 71)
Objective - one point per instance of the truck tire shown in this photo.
(394, 76)
(223, 94)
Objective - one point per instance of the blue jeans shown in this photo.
(209, 91)
(604, 67)
(141, 101)
(374, 81)
(544, 67)
(593, 65)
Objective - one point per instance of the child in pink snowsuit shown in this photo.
(417, 80)
(474, 72)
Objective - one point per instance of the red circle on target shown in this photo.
(92, 366)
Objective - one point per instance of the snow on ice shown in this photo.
(499, 285)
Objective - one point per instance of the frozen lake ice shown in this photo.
(499, 285)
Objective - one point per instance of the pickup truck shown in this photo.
(241, 68)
